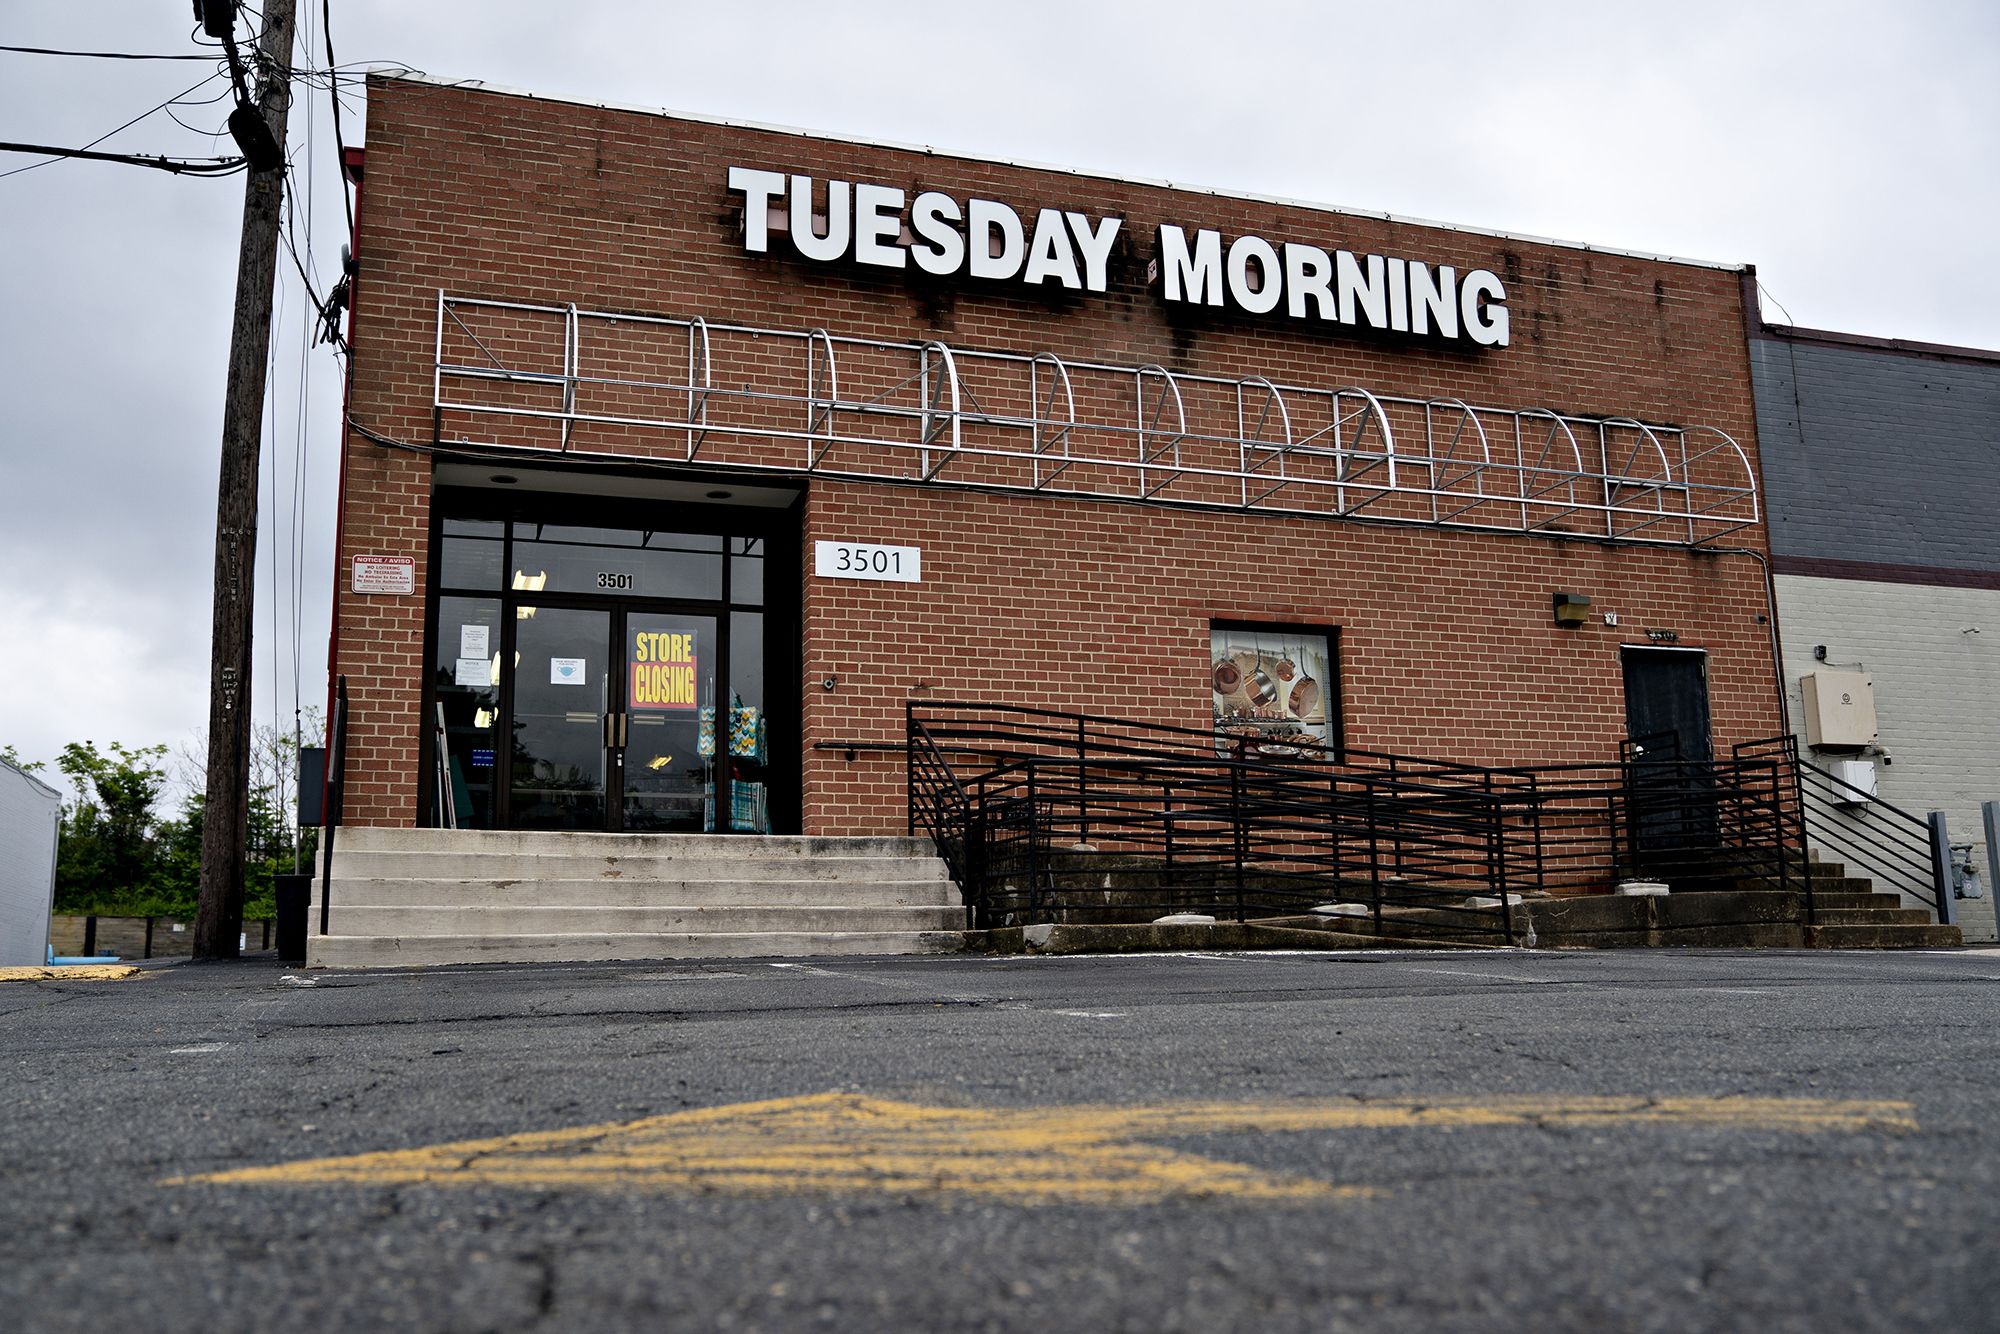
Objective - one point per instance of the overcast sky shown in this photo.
(1848, 150)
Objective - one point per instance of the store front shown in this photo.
(606, 665)
(659, 514)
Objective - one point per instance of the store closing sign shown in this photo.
(663, 670)
(884, 227)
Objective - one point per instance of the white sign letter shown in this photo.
(984, 217)
(878, 211)
(1192, 278)
(1308, 273)
(1372, 292)
(1434, 299)
(1263, 299)
(759, 189)
(1487, 324)
(1050, 254)
(809, 242)
(931, 218)
(1095, 245)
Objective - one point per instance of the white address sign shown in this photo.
(863, 560)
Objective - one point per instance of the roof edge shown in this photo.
(479, 85)
(1908, 347)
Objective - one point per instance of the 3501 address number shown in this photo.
(865, 560)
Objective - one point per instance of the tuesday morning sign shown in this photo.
(943, 235)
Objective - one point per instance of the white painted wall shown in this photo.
(1934, 654)
(30, 813)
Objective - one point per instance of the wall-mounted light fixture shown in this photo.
(1571, 609)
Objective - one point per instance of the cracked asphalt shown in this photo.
(116, 1091)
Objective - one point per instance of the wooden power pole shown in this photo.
(226, 819)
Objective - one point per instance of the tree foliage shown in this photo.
(122, 855)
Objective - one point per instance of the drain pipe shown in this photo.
(1771, 617)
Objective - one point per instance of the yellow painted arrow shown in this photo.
(1087, 1154)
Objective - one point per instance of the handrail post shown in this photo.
(1082, 787)
(1167, 813)
(1535, 819)
(1374, 851)
(1496, 860)
(1236, 825)
(1034, 858)
(337, 771)
(1947, 909)
(910, 765)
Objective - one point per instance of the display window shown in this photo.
(1275, 687)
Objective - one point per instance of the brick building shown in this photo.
(681, 454)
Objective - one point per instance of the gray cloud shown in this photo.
(1844, 149)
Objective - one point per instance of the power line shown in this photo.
(176, 100)
(210, 166)
(99, 55)
(333, 84)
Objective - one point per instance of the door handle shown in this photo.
(624, 730)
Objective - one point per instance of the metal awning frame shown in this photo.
(1524, 470)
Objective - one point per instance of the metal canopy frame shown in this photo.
(511, 375)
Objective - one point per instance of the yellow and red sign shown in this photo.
(663, 670)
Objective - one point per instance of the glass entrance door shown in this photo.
(665, 751)
(560, 775)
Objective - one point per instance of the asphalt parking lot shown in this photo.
(1637, 1140)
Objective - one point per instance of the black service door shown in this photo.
(1670, 790)
(1666, 691)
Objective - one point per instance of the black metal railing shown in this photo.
(336, 787)
(1874, 839)
(1050, 815)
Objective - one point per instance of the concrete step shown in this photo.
(1871, 916)
(1822, 885)
(581, 947)
(1883, 937)
(564, 843)
(469, 865)
(1824, 901)
(659, 919)
(526, 892)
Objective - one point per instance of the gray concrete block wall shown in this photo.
(1879, 456)
(1937, 692)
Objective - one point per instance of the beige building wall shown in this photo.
(1934, 655)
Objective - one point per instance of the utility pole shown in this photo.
(219, 915)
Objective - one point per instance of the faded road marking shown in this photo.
(1086, 1154)
(72, 972)
(1491, 977)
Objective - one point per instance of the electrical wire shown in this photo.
(339, 141)
(211, 166)
(98, 55)
(177, 99)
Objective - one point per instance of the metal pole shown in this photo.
(219, 912)
(1034, 859)
(1941, 869)
(336, 783)
(1236, 824)
(1990, 815)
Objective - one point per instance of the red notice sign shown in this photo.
(384, 574)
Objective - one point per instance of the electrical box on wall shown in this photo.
(1840, 709)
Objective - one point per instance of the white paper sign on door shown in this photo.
(475, 672)
(471, 641)
(566, 672)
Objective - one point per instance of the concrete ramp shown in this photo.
(436, 896)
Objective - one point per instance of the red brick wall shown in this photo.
(1447, 643)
